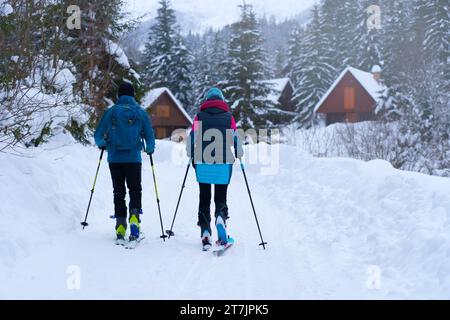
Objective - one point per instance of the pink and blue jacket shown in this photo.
(213, 136)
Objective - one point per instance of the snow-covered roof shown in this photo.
(277, 86)
(366, 79)
(151, 96)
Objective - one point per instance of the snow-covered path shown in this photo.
(326, 221)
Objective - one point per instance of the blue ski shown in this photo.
(220, 250)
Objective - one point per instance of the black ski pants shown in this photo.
(220, 200)
(131, 175)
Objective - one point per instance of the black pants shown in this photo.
(131, 174)
(220, 200)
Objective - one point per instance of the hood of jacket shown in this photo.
(127, 100)
(216, 104)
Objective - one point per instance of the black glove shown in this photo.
(102, 148)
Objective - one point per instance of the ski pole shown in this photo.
(157, 199)
(170, 232)
(263, 244)
(85, 224)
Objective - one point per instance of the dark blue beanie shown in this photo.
(126, 89)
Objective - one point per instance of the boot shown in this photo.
(135, 224)
(205, 230)
(221, 225)
(121, 230)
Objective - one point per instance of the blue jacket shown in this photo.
(122, 156)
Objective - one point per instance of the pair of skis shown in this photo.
(130, 245)
(221, 248)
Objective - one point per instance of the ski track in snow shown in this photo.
(325, 221)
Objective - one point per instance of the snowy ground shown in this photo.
(327, 222)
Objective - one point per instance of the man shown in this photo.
(121, 132)
(213, 161)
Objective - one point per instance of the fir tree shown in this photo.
(181, 73)
(346, 33)
(436, 14)
(330, 26)
(294, 51)
(209, 58)
(167, 60)
(94, 52)
(245, 71)
(369, 46)
(159, 48)
(315, 72)
(397, 34)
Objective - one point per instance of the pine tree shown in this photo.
(209, 58)
(431, 89)
(397, 35)
(245, 70)
(330, 27)
(93, 50)
(218, 54)
(369, 46)
(294, 51)
(181, 74)
(167, 60)
(346, 33)
(159, 48)
(315, 72)
(339, 22)
(437, 38)
(279, 62)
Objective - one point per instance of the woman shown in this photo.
(213, 134)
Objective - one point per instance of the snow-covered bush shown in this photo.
(40, 105)
(390, 141)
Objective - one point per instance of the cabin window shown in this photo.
(349, 99)
(163, 111)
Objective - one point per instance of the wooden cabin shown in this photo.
(353, 97)
(281, 96)
(282, 93)
(166, 112)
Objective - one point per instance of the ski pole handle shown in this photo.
(151, 160)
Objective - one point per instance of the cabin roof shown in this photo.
(366, 79)
(153, 95)
(278, 85)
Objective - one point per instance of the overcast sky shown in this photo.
(217, 13)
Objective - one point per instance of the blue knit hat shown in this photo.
(126, 89)
(214, 94)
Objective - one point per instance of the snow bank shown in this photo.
(328, 222)
(350, 215)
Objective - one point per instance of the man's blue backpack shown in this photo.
(125, 128)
